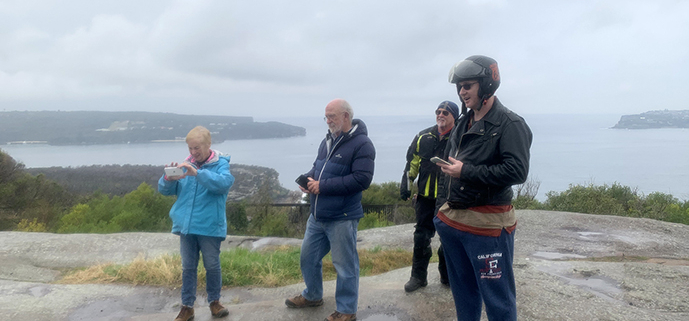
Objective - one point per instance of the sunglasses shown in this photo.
(466, 86)
(445, 112)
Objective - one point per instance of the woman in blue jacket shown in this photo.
(198, 217)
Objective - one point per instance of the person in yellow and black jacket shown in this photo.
(428, 143)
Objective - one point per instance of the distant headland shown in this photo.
(655, 119)
(97, 128)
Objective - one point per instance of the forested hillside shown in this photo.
(92, 127)
(42, 196)
(122, 179)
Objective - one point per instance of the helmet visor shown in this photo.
(464, 70)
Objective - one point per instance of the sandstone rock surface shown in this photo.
(568, 266)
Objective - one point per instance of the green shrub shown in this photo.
(31, 226)
(373, 220)
(588, 199)
(619, 200)
(276, 224)
(237, 222)
(382, 194)
(525, 195)
(139, 210)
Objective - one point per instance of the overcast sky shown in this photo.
(280, 58)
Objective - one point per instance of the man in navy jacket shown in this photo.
(342, 171)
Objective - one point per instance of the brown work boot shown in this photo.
(217, 310)
(301, 302)
(337, 316)
(186, 314)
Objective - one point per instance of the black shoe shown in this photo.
(444, 281)
(414, 284)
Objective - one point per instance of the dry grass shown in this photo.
(240, 267)
(164, 271)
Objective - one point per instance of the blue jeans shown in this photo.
(480, 269)
(339, 238)
(189, 246)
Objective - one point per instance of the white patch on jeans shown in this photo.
(491, 270)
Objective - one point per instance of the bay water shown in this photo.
(567, 149)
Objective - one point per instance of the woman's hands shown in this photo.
(191, 171)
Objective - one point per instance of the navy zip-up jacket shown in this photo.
(344, 169)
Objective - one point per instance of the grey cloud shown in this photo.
(584, 56)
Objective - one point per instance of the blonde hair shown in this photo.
(200, 133)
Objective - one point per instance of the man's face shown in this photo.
(444, 118)
(334, 117)
(468, 92)
(198, 149)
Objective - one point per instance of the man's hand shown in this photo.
(314, 186)
(454, 170)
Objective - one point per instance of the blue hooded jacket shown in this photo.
(344, 169)
(200, 205)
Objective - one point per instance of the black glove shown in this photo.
(405, 192)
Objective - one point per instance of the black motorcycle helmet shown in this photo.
(481, 68)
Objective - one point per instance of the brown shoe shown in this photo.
(301, 302)
(337, 316)
(186, 314)
(217, 310)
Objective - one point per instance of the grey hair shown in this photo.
(347, 109)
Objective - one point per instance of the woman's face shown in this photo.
(198, 149)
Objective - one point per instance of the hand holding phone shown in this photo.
(303, 181)
(173, 171)
(437, 160)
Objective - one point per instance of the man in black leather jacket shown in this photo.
(488, 152)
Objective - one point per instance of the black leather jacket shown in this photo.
(495, 153)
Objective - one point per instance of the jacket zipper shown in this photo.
(327, 158)
(193, 202)
(449, 185)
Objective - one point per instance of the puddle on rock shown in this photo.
(603, 287)
(39, 291)
(590, 235)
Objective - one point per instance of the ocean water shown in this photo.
(567, 149)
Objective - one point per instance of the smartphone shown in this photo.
(173, 171)
(437, 160)
(303, 181)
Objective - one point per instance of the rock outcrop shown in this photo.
(568, 266)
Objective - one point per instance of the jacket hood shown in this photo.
(215, 156)
(358, 128)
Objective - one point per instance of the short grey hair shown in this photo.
(347, 109)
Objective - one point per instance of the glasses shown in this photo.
(330, 117)
(445, 112)
(466, 86)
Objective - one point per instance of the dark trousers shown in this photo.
(423, 233)
(480, 269)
